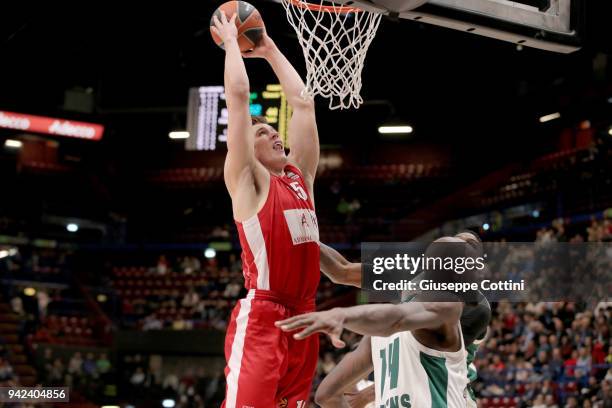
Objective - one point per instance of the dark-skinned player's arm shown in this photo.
(338, 268)
(240, 159)
(373, 320)
(303, 134)
(360, 399)
(353, 367)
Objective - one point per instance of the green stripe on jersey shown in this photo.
(472, 374)
(437, 375)
(471, 356)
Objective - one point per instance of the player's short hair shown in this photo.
(256, 119)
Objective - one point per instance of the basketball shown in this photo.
(248, 21)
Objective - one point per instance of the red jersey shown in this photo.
(280, 244)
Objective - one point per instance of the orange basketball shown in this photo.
(248, 21)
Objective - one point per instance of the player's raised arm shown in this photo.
(338, 268)
(303, 135)
(240, 151)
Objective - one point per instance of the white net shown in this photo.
(335, 41)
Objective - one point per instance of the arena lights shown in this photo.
(548, 118)
(210, 253)
(610, 131)
(13, 144)
(385, 130)
(168, 403)
(101, 298)
(8, 252)
(29, 291)
(72, 227)
(110, 406)
(178, 135)
(535, 213)
(486, 226)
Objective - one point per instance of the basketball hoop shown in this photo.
(335, 40)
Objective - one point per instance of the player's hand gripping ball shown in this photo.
(250, 27)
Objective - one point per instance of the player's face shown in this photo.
(269, 148)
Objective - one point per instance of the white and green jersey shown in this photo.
(472, 349)
(409, 375)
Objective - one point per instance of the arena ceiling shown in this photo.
(455, 88)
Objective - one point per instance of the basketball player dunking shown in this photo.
(273, 206)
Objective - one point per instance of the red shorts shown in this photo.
(266, 367)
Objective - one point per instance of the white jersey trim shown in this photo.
(235, 361)
(257, 244)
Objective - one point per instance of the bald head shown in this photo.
(450, 239)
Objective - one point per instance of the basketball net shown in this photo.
(335, 41)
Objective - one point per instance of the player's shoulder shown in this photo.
(475, 319)
(293, 172)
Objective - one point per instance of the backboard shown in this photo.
(554, 25)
